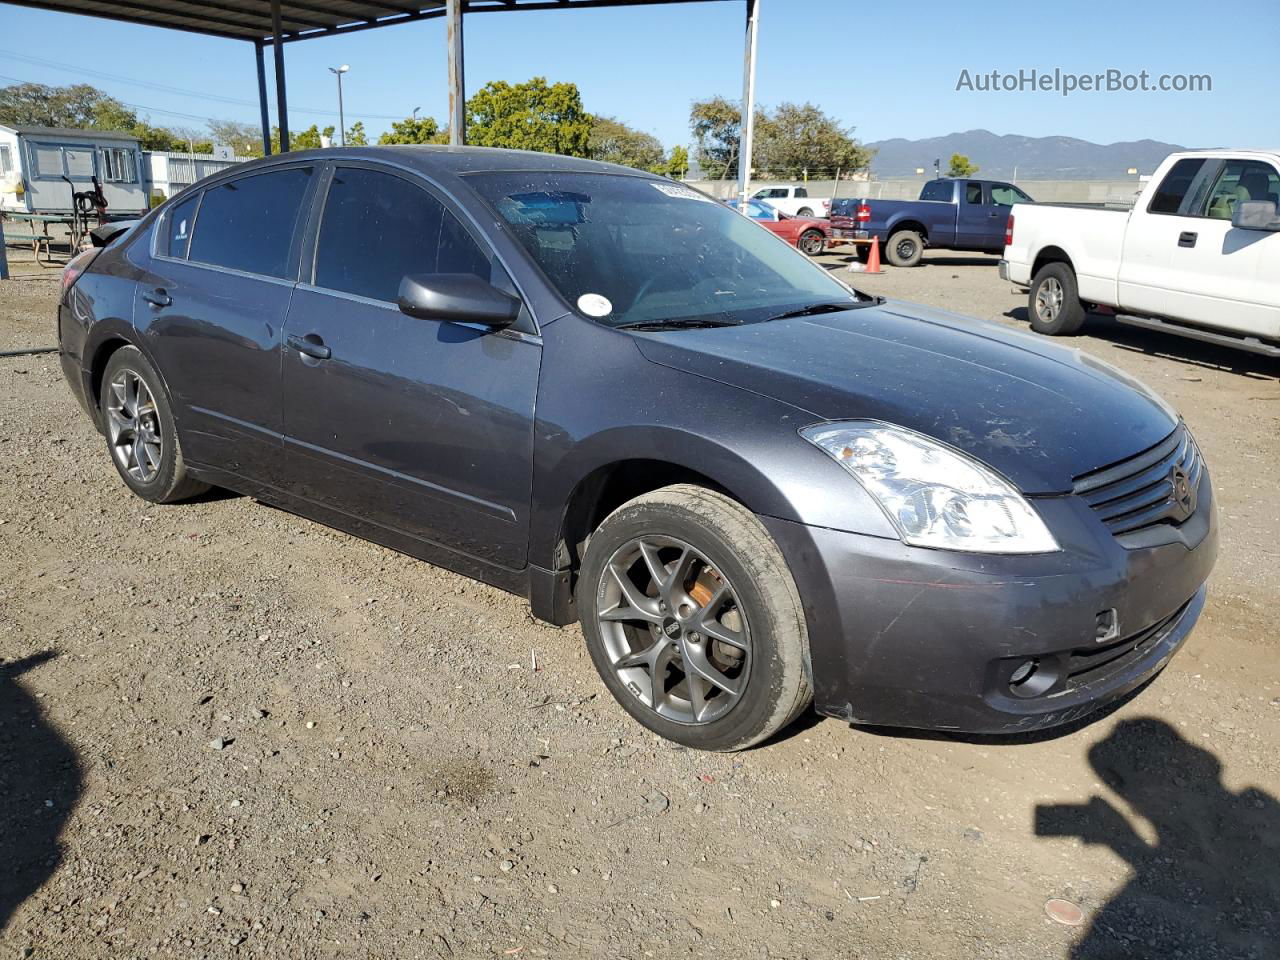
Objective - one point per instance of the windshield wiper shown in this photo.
(680, 323)
(827, 307)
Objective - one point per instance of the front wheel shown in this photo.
(904, 249)
(141, 436)
(1054, 304)
(693, 620)
(812, 242)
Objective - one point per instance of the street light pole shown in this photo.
(342, 121)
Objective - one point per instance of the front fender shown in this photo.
(745, 443)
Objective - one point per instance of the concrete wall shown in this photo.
(1112, 193)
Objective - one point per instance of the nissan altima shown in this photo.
(755, 488)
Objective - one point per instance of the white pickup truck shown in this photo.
(794, 200)
(1198, 255)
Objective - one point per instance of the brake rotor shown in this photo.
(701, 591)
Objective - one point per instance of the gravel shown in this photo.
(382, 783)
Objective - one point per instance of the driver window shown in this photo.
(1239, 181)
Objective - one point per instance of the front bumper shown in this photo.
(903, 636)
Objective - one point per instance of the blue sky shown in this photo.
(890, 70)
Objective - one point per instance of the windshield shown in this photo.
(626, 250)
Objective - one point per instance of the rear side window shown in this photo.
(378, 228)
(802, 192)
(248, 224)
(1003, 195)
(176, 238)
(937, 190)
(973, 193)
(1173, 188)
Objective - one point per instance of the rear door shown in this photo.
(976, 216)
(210, 308)
(421, 426)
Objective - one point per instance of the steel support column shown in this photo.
(457, 81)
(282, 99)
(262, 98)
(748, 126)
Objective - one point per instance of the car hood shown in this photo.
(1038, 413)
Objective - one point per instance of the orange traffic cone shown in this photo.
(873, 261)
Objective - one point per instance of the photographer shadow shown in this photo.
(1209, 885)
(40, 782)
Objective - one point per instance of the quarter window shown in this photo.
(6, 159)
(379, 228)
(1173, 188)
(178, 223)
(248, 224)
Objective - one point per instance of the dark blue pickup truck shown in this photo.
(951, 214)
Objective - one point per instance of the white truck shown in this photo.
(1198, 255)
(793, 200)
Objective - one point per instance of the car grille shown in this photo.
(1144, 490)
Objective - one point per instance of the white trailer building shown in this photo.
(36, 164)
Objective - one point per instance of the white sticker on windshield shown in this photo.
(675, 190)
(594, 305)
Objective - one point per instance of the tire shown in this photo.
(862, 252)
(904, 249)
(733, 585)
(804, 212)
(153, 469)
(1053, 304)
(811, 242)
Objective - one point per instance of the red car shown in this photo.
(808, 234)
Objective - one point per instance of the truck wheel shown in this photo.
(862, 252)
(804, 212)
(1054, 305)
(904, 249)
(811, 242)
(693, 620)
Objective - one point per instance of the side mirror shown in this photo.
(1256, 215)
(457, 298)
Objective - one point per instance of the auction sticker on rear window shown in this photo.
(594, 305)
(675, 190)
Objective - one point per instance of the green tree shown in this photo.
(244, 138)
(305, 139)
(415, 130)
(961, 167)
(530, 116)
(81, 106)
(677, 163)
(613, 141)
(356, 137)
(788, 140)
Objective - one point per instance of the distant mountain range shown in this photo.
(1056, 158)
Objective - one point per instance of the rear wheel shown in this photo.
(904, 249)
(804, 212)
(1054, 304)
(141, 436)
(811, 242)
(693, 620)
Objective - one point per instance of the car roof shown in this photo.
(458, 161)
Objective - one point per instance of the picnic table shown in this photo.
(42, 240)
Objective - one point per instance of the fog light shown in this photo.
(1022, 673)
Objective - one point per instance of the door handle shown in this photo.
(1187, 239)
(310, 345)
(157, 297)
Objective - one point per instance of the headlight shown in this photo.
(935, 496)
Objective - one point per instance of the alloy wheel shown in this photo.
(674, 630)
(134, 426)
(1049, 299)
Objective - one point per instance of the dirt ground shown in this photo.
(229, 732)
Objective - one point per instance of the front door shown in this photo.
(424, 427)
(210, 306)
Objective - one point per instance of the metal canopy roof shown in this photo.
(299, 19)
